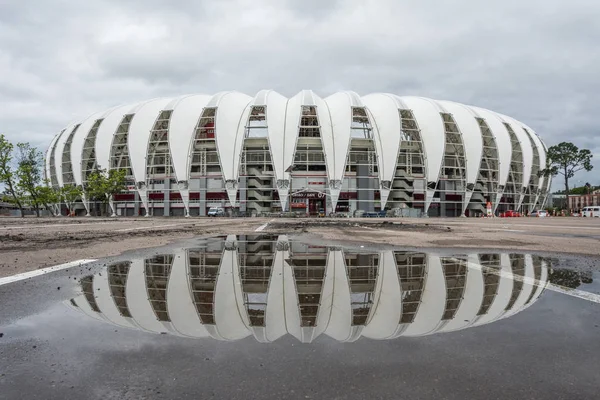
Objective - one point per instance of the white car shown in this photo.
(593, 211)
(216, 212)
(539, 213)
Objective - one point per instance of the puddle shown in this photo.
(272, 317)
(266, 287)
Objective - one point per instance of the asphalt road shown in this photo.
(49, 351)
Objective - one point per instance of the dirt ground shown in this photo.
(31, 243)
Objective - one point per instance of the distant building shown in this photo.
(556, 200)
(7, 208)
(579, 201)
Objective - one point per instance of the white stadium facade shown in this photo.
(234, 287)
(268, 154)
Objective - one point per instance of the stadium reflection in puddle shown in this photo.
(267, 286)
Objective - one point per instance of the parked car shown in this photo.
(539, 213)
(593, 211)
(216, 212)
(321, 213)
(510, 213)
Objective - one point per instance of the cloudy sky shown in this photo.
(535, 60)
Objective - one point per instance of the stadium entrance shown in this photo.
(313, 199)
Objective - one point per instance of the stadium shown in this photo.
(268, 154)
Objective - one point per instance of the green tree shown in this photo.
(102, 185)
(29, 173)
(566, 159)
(7, 174)
(70, 194)
(48, 197)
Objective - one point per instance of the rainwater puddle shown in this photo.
(271, 317)
(267, 287)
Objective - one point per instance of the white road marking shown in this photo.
(43, 271)
(152, 227)
(264, 226)
(580, 294)
(53, 225)
(502, 230)
(531, 225)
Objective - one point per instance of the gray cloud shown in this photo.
(536, 61)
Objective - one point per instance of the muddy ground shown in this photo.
(31, 243)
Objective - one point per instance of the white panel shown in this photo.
(77, 145)
(185, 116)
(327, 141)
(106, 132)
(537, 147)
(231, 108)
(230, 120)
(106, 302)
(137, 299)
(525, 148)
(50, 153)
(229, 299)
(472, 298)
(526, 289)
(180, 305)
(387, 132)
(291, 304)
(388, 310)
(275, 312)
(288, 143)
(139, 133)
(503, 293)
(276, 119)
(432, 133)
(85, 308)
(433, 302)
(58, 152)
(539, 289)
(340, 322)
(542, 155)
(340, 110)
(428, 117)
(471, 135)
(327, 295)
(502, 142)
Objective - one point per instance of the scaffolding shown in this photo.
(117, 281)
(256, 266)
(490, 268)
(256, 166)
(409, 178)
(309, 275)
(87, 287)
(533, 187)
(455, 275)
(67, 166)
(513, 188)
(119, 149)
(517, 266)
(362, 270)
(53, 177)
(156, 272)
(203, 272)
(451, 185)
(89, 162)
(489, 171)
(412, 271)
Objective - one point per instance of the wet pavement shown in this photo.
(268, 317)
